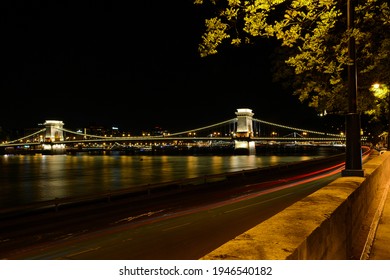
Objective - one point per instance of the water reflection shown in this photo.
(26, 178)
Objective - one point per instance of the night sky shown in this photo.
(131, 64)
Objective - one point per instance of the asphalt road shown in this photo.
(182, 227)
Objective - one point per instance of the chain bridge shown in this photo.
(243, 133)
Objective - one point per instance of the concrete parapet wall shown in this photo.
(324, 225)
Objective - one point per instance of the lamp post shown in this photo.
(353, 162)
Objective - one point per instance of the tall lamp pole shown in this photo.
(353, 162)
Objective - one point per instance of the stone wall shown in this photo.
(324, 225)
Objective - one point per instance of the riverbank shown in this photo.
(19, 230)
(27, 179)
(145, 191)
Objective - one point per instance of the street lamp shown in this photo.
(353, 162)
(382, 91)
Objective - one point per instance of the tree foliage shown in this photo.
(313, 40)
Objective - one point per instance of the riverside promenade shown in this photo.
(379, 242)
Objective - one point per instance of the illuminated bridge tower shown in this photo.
(54, 133)
(244, 132)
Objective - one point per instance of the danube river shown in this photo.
(32, 178)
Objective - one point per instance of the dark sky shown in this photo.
(132, 64)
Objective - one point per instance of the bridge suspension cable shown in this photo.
(84, 134)
(28, 136)
(205, 127)
(294, 128)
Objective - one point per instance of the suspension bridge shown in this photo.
(242, 133)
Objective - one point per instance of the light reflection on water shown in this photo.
(31, 178)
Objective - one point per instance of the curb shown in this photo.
(374, 226)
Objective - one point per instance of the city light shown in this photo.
(382, 92)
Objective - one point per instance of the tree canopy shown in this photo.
(313, 38)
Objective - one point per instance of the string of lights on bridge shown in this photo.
(185, 134)
(295, 128)
(25, 137)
